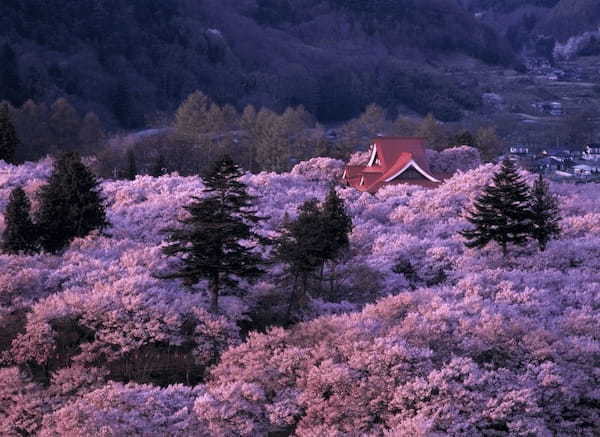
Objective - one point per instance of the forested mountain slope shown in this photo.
(525, 22)
(127, 59)
(571, 18)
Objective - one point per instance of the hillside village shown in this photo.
(561, 165)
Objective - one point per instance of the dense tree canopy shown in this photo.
(90, 340)
(97, 320)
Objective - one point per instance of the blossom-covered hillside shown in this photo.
(419, 336)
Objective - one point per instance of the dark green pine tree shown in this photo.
(545, 214)
(71, 205)
(302, 247)
(318, 235)
(132, 170)
(9, 142)
(338, 225)
(19, 235)
(501, 213)
(217, 242)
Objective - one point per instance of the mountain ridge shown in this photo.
(127, 60)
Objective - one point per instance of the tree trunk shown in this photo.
(504, 250)
(304, 287)
(214, 295)
(332, 279)
(292, 298)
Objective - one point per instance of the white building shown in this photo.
(592, 152)
(519, 150)
(586, 169)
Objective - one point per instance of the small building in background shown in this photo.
(591, 152)
(519, 150)
(393, 160)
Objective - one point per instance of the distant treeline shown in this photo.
(200, 130)
(259, 139)
(48, 129)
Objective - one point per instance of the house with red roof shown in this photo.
(393, 160)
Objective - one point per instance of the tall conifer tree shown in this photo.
(301, 246)
(319, 234)
(545, 215)
(19, 235)
(9, 142)
(70, 204)
(501, 213)
(337, 223)
(214, 240)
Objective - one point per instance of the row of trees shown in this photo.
(270, 141)
(510, 212)
(201, 129)
(217, 240)
(70, 206)
(43, 129)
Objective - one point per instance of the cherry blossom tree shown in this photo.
(465, 343)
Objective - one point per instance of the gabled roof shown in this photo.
(390, 158)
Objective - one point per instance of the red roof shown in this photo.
(390, 158)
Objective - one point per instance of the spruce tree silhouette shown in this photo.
(217, 241)
(501, 213)
(545, 214)
(19, 235)
(70, 204)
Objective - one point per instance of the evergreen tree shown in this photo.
(159, 167)
(318, 235)
(301, 246)
(213, 241)
(70, 204)
(19, 235)
(337, 224)
(545, 215)
(501, 213)
(132, 170)
(9, 142)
